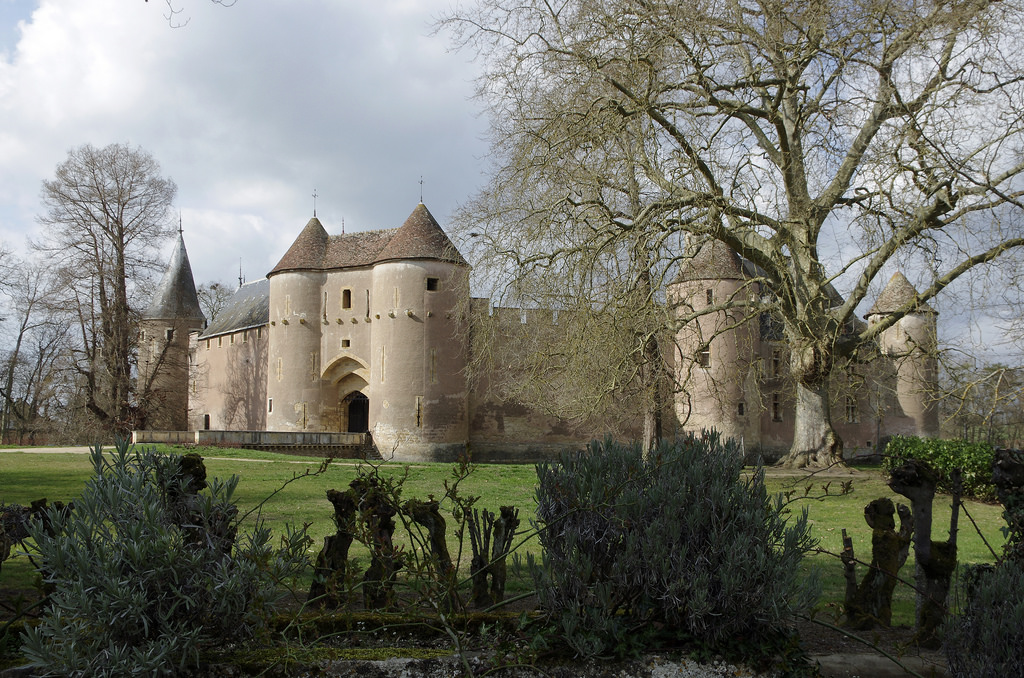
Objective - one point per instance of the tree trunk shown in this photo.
(815, 442)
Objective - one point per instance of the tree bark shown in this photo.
(815, 441)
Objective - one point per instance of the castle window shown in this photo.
(270, 404)
(231, 339)
(741, 408)
(432, 284)
(776, 363)
(346, 299)
(704, 357)
(314, 368)
(207, 344)
(419, 411)
(710, 294)
(245, 337)
(169, 334)
(220, 341)
(142, 336)
(852, 413)
(206, 422)
(345, 343)
(776, 407)
(259, 332)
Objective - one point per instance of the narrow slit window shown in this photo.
(346, 299)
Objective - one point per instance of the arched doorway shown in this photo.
(357, 406)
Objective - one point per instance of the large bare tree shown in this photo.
(823, 140)
(106, 217)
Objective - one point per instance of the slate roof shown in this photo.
(898, 293)
(420, 237)
(248, 307)
(176, 297)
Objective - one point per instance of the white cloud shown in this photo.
(249, 108)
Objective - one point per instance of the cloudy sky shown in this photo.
(249, 108)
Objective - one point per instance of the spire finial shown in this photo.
(343, 225)
(180, 229)
(241, 279)
(421, 189)
(314, 203)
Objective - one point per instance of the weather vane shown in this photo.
(314, 202)
(421, 188)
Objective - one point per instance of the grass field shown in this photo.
(26, 476)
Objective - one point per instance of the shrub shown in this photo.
(146, 570)
(674, 546)
(973, 459)
(986, 637)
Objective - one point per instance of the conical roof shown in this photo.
(898, 293)
(176, 296)
(421, 237)
(713, 261)
(307, 252)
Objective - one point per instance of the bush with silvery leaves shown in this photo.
(147, 570)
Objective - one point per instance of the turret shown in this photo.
(911, 344)
(419, 343)
(164, 345)
(716, 350)
(294, 357)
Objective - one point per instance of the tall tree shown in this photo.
(822, 140)
(106, 217)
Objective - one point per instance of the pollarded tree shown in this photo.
(106, 218)
(823, 140)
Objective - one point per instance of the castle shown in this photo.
(369, 333)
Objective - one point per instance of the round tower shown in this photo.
(911, 343)
(419, 403)
(717, 348)
(164, 356)
(293, 342)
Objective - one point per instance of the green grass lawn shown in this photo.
(28, 476)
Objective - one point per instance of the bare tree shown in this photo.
(213, 297)
(823, 141)
(27, 289)
(983, 403)
(106, 218)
